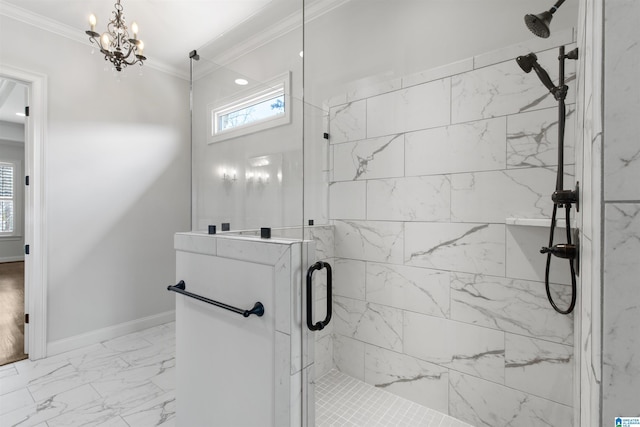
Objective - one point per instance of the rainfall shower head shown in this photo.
(539, 24)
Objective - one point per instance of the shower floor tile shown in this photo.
(343, 401)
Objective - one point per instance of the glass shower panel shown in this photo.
(416, 122)
(247, 125)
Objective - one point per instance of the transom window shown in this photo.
(252, 111)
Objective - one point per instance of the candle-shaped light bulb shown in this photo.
(134, 28)
(105, 41)
(140, 48)
(92, 22)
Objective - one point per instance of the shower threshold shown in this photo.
(343, 401)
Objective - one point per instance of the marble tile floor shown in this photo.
(343, 401)
(129, 382)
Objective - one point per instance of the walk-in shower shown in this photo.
(561, 197)
(422, 281)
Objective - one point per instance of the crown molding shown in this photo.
(42, 22)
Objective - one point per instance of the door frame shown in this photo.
(35, 271)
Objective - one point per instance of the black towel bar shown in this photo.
(258, 308)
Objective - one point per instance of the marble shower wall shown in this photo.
(621, 222)
(437, 297)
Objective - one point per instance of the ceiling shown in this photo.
(170, 29)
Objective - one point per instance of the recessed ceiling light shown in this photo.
(242, 82)
(20, 114)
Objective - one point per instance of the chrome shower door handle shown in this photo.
(319, 325)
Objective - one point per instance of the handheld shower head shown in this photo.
(526, 62)
(539, 24)
(530, 62)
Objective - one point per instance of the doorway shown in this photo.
(13, 100)
(32, 219)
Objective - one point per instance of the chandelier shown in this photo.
(115, 43)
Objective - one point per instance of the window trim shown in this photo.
(280, 84)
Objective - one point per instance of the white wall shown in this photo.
(117, 182)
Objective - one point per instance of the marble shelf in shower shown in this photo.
(536, 222)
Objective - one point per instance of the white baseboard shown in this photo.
(99, 335)
(12, 258)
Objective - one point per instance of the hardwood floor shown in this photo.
(11, 312)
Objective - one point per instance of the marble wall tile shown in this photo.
(473, 248)
(487, 404)
(418, 107)
(466, 147)
(369, 240)
(322, 236)
(195, 242)
(369, 159)
(323, 361)
(319, 314)
(368, 322)
(504, 88)
(347, 122)
(495, 196)
(348, 200)
(621, 313)
(282, 373)
(409, 288)
(348, 355)
(532, 138)
(349, 278)
(438, 72)
(411, 378)
(466, 348)
(409, 199)
(524, 260)
(510, 305)
(621, 101)
(252, 249)
(539, 367)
